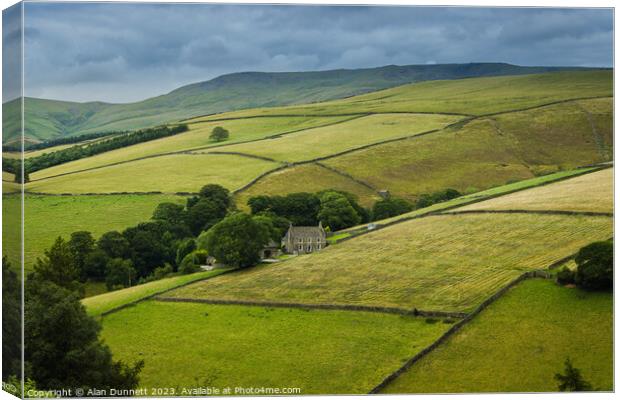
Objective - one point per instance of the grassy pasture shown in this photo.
(196, 137)
(102, 303)
(306, 178)
(590, 192)
(447, 263)
(188, 345)
(482, 154)
(170, 174)
(480, 196)
(333, 139)
(478, 96)
(526, 336)
(48, 217)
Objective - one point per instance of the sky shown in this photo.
(129, 52)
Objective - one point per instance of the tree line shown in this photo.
(77, 152)
(61, 141)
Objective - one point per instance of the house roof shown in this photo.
(305, 231)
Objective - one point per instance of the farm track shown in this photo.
(468, 118)
(598, 139)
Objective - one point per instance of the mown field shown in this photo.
(321, 142)
(439, 263)
(197, 137)
(520, 342)
(168, 174)
(198, 345)
(48, 217)
(590, 192)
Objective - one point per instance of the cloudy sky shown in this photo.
(128, 52)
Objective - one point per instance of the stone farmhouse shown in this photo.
(304, 239)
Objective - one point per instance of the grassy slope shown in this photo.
(479, 155)
(170, 174)
(97, 214)
(448, 263)
(322, 142)
(526, 336)
(106, 302)
(479, 96)
(307, 178)
(591, 192)
(196, 137)
(194, 345)
(48, 118)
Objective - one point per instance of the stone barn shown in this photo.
(304, 239)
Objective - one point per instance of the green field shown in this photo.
(169, 174)
(477, 96)
(197, 137)
(520, 342)
(193, 345)
(106, 302)
(320, 142)
(48, 217)
(444, 263)
(590, 192)
(306, 178)
(483, 154)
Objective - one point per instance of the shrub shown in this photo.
(565, 276)
(595, 266)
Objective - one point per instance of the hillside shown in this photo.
(47, 119)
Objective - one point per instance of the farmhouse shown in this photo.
(304, 239)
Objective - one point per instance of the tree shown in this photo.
(150, 245)
(11, 322)
(58, 266)
(260, 204)
(95, 264)
(114, 245)
(62, 347)
(204, 214)
(237, 240)
(218, 134)
(595, 266)
(571, 380)
(216, 193)
(81, 245)
(336, 212)
(170, 212)
(390, 207)
(119, 273)
(184, 248)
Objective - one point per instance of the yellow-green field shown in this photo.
(197, 137)
(478, 96)
(590, 192)
(520, 342)
(170, 174)
(306, 178)
(197, 345)
(48, 217)
(482, 154)
(320, 142)
(446, 263)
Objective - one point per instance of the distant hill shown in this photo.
(47, 119)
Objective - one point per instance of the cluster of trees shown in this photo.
(14, 166)
(219, 134)
(335, 209)
(81, 151)
(62, 347)
(595, 267)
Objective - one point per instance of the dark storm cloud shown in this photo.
(125, 52)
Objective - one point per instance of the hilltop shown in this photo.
(48, 119)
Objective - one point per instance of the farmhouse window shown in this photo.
(300, 247)
(309, 249)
